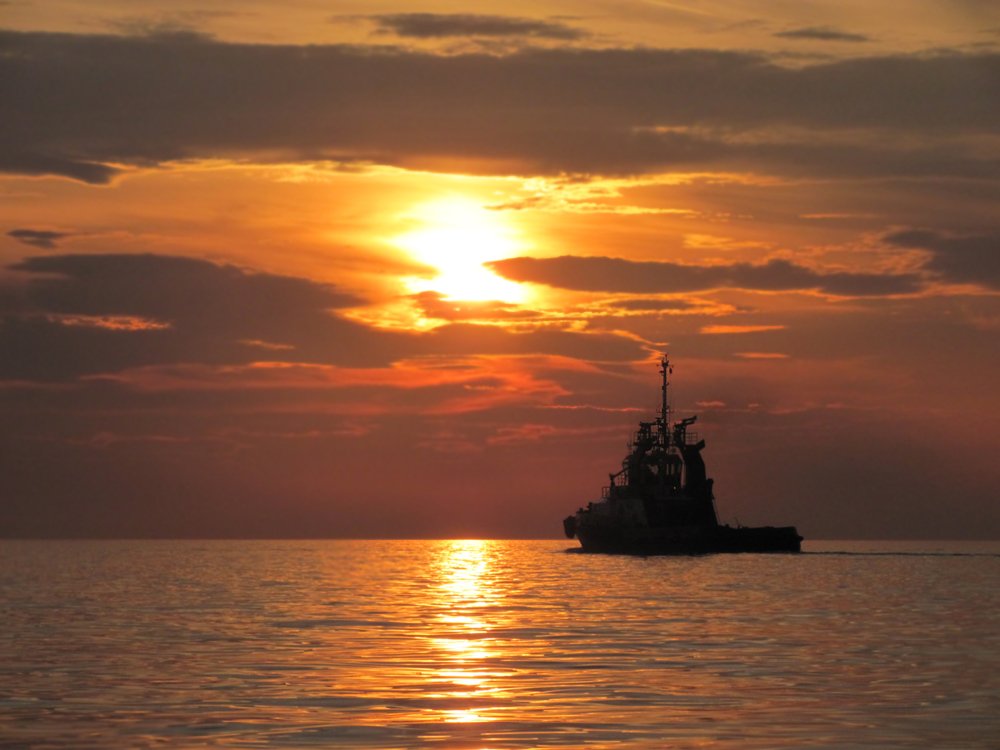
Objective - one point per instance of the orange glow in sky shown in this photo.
(400, 271)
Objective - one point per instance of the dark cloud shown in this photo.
(652, 303)
(17, 157)
(75, 103)
(177, 289)
(433, 25)
(80, 314)
(823, 34)
(969, 258)
(621, 275)
(88, 314)
(42, 238)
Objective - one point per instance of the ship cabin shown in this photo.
(665, 470)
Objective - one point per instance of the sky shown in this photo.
(383, 269)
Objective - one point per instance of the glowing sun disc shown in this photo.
(457, 237)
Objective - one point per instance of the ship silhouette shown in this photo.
(661, 501)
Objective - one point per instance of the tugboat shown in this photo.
(661, 502)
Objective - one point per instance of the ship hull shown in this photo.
(688, 541)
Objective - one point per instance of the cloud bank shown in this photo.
(599, 274)
(439, 25)
(82, 106)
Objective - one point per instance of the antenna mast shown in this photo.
(665, 370)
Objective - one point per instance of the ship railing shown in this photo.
(691, 437)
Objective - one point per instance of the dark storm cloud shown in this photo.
(620, 275)
(74, 102)
(968, 258)
(823, 34)
(431, 25)
(88, 314)
(41, 238)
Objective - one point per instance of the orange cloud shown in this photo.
(110, 322)
(715, 330)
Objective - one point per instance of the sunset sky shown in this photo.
(388, 269)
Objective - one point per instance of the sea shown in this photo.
(484, 644)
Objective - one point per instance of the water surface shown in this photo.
(496, 644)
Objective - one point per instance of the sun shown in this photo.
(457, 236)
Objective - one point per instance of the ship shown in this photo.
(661, 501)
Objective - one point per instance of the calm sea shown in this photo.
(496, 644)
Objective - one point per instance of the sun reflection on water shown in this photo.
(463, 596)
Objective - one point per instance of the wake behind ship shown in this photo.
(661, 502)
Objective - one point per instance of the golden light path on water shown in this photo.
(489, 645)
(466, 595)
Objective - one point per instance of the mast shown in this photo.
(665, 370)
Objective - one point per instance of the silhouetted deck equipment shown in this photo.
(661, 501)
